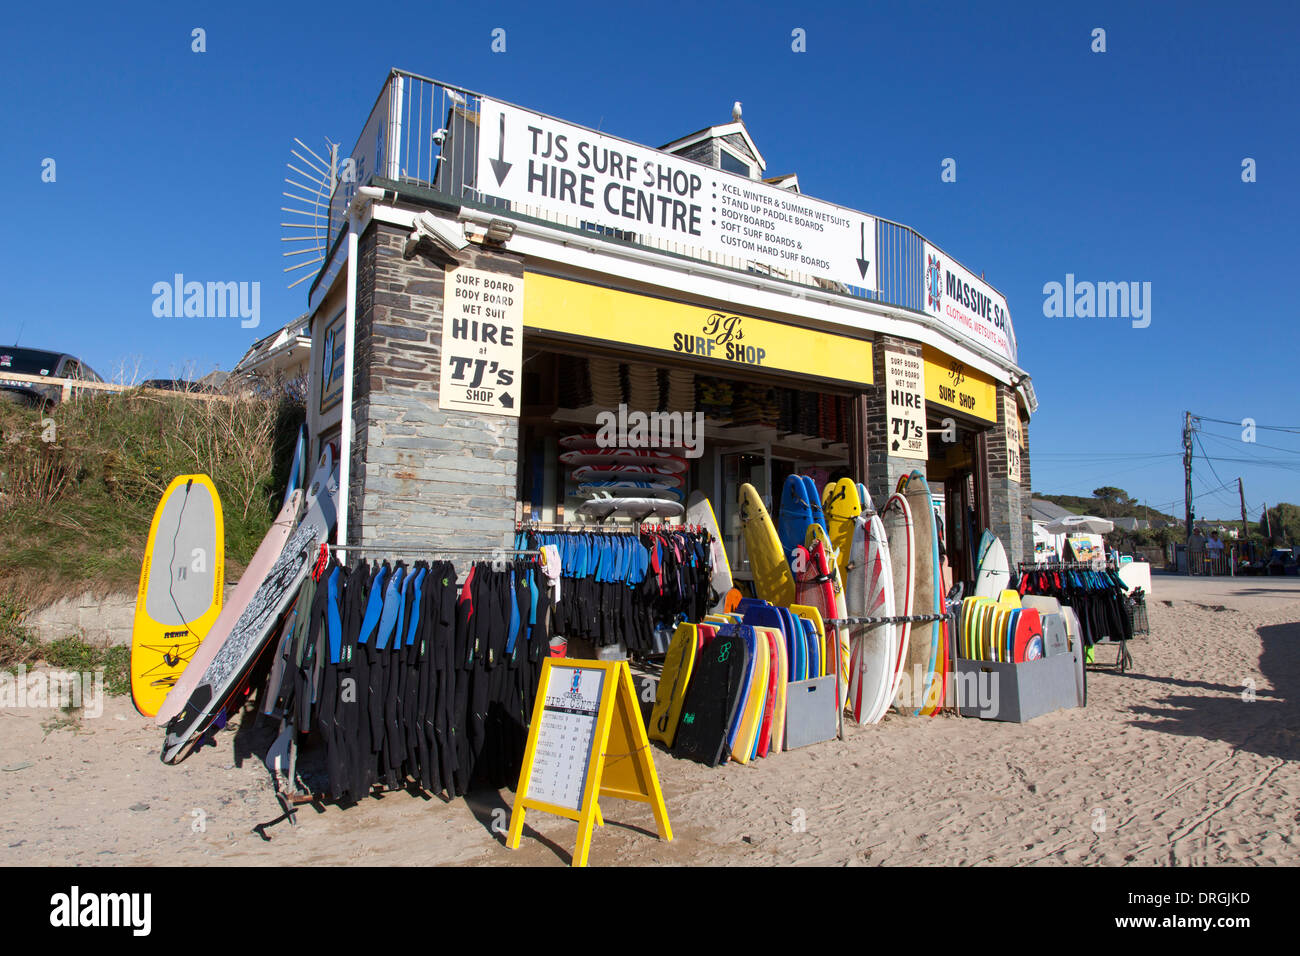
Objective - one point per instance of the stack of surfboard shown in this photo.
(909, 516)
(1000, 630)
(216, 678)
(625, 481)
(722, 694)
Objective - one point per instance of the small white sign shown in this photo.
(568, 170)
(1012, 416)
(482, 342)
(905, 404)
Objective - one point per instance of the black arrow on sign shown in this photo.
(506, 400)
(499, 165)
(863, 262)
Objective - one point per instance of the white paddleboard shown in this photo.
(699, 511)
(994, 573)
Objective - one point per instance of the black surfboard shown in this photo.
(712, 697)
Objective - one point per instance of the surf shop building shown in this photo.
(499, 283)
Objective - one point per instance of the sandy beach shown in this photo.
(1172, 763)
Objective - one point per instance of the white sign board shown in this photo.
(905, 403)
(559, 769)
(572, 171)
(964, 302)
(1012, 415)
(482, 342)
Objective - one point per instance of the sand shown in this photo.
(1172, 763)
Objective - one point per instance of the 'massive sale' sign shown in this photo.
(966, 303)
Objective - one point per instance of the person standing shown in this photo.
(1214, 553)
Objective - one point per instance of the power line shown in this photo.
(1272, 428)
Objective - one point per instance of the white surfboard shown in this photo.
(699, 510)
(994, 573)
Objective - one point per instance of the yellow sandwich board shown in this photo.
(586, 741)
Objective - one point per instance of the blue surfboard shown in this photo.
(815, 498)
(796, 514)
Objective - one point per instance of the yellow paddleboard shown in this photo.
(841, 504)
(180, 590)
(772, 579)
(673, 680)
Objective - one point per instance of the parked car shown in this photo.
(1282, 561)
(25, 361)
(178, 385)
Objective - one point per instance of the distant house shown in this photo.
(283, 356)
(1045, 511)
(1132, 524)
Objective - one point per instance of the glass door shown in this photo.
(752, 465)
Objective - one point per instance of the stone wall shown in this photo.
(103, 621)
(421, 476)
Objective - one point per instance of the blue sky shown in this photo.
(1122, 166)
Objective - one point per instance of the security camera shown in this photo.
(440, 136)
(448, 236)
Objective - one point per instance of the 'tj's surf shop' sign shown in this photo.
(539, 162)
(729, 341)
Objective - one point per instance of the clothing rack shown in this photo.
(397, 549)
(1065, 566)
(1123, 657)
(638, 528)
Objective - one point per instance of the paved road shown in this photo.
(1244, 592)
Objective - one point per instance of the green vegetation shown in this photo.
(79, 483)
(1106, 502)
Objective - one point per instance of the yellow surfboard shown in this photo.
(773, 581)
(673, 681)
(180, 590)
(841, 504)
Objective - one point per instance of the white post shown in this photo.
(345, 423)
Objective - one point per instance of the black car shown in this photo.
(24, 361)
(178, 385)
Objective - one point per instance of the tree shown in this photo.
(1112, 501)
(1284, 522)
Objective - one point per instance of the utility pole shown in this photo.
(1187, 471)
(1245, 528)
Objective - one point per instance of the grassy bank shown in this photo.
(79, 484)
